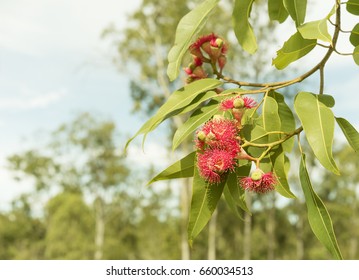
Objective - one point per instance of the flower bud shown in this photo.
(215, 53)
(218, 43)
(188, 70)
(201, 136)
(206, 46)
(199, 72)
(257, 175)
(195, 51)
(238, 103)
(197, 61)
(222, 60)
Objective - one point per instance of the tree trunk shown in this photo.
(247, 231)
(185, 194)
(299, 230)
(99, 227)
(353, 243)
(270, 229)
(212, 236)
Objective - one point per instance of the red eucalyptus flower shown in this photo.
(213, 163)
(237, 102)
(259, 182)
(219, 133)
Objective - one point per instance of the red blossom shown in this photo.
(221, 134)
(197, 61)
(249, 102)
(228, 104)
(214, 162)
(205, 43)
(262, 184)
(201, 40)
(188, 70)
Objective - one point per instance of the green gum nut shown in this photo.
(257, 175)
(201, 136)
(219, 42)
(238, 103)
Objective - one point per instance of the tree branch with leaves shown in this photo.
(241, 143)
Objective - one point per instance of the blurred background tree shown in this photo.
(143, 224)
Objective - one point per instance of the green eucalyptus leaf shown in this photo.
(293, 49)
(277, 11)
(318, 216)
(350, 133)
(233, 193)
(318, 124)
(326, 99)
(249, 117)
(297, 10)
(354, 36)
(353, 7)
(183, 168)
(316, 30)
(198, 117)
(187, 28)
(356, 55)
(230, 202)
(271, 119)
(255, 133)
(205, 197)
(286, 118)
(178, 103)
(236, 191)
(242, 27)
(280, 165)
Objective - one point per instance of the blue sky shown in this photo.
(54, 65)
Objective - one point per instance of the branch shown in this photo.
(281, 84)
(321, 87)
(275, 143)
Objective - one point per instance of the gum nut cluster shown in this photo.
(207, 49)
(217, 148)
(259, 182)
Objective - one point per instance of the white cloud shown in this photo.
(29, 100)
(42, 26)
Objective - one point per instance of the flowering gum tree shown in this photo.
(243, 130)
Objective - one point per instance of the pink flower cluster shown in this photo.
(217, 147)
(207, 49)
(218, 142)
(259, 182)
